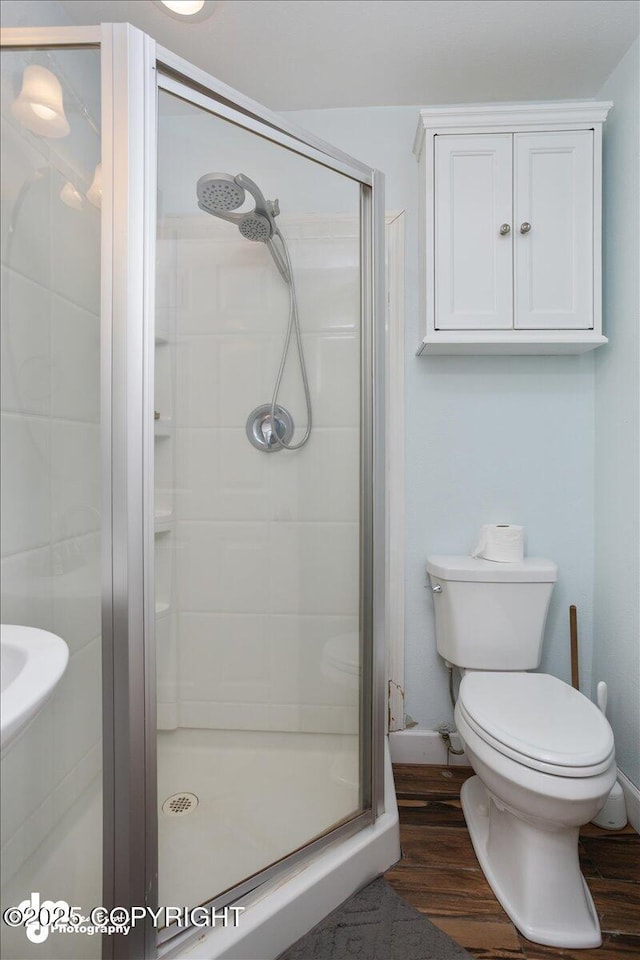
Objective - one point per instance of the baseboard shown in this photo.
(631, 799)
(419, 745)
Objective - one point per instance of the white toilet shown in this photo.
(542, 752)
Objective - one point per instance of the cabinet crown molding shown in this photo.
(509, 116)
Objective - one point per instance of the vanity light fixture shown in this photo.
(40, 107)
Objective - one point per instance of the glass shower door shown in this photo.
(51, 773)
(261, 649)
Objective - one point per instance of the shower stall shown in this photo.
(193, 499)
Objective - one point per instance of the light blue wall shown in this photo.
(617, 427)
(488, 439)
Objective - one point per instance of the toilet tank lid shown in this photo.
(529, 570)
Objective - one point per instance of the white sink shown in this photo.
(33, 661)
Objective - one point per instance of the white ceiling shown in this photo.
(295, 54)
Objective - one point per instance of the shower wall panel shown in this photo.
(267, 545)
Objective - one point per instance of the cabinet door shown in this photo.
(473, 258)
(553, 230)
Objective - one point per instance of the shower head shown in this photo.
(255, 227)
(220, 194)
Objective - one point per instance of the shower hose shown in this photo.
(293, 327)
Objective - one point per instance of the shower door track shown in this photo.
(133, 68)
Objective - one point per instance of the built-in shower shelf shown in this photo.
(162, 607)
(162, 527)
(161, 339)
(162, 429)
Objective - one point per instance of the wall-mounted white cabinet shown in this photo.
(510, 234)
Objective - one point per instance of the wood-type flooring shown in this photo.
(440, 875)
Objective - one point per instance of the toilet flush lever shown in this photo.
(437, 588)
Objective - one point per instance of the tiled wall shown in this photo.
(266, 545)
(50, 514)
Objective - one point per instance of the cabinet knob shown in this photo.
(504, 229)
(525, 227)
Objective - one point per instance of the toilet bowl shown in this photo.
(544, 759)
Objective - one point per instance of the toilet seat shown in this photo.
(538, 721)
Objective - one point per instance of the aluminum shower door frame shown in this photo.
(128, 156)
(129, 163)
(133, 68)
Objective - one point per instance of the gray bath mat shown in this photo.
(375, 924)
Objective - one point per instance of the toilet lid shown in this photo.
(536, 717)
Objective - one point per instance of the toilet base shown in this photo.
(534, 871)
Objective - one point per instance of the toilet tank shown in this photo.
(489, 615)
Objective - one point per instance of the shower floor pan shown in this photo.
(258, 796)
(282, 910)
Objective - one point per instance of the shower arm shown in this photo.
(262, 206)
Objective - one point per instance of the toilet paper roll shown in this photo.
(501, 542)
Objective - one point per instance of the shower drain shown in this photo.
(180, 804)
